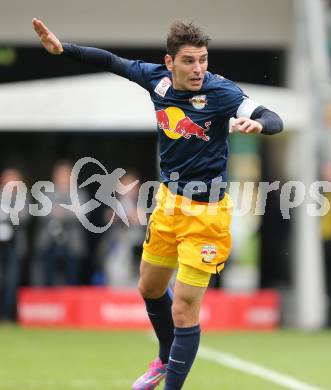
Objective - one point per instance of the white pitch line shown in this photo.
(253, 369)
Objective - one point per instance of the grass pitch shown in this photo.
(39, 359)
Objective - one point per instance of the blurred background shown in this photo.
(54, 111)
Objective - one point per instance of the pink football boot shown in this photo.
(152, 378)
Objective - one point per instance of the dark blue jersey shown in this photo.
(193, 127)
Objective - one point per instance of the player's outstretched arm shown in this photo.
(102, 59)
(50, 42)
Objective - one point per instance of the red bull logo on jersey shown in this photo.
(176, 124)
(208, 252)
(199, 102)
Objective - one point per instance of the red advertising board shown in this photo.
(93, 308)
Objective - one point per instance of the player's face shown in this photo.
(188, 68)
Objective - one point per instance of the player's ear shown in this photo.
(169, 63)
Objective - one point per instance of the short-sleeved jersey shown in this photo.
(193, 127)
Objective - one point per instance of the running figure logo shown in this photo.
(110, 184)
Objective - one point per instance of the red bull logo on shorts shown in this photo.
(208, 252)
(176, 124)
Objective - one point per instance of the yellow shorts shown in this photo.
(190, 233)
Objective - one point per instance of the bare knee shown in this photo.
(151, 290)
(185, 313)
(154, 280)
(186, 304)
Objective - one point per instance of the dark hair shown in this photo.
(181, 33)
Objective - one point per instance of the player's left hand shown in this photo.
(50, 42)
(245, 125)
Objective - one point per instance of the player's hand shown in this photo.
(245, 125)
(50, 42)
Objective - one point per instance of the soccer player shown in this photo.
(190, 226)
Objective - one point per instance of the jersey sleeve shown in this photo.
(230, 97)
(140, 72)
(136, 71)
(271, 122)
